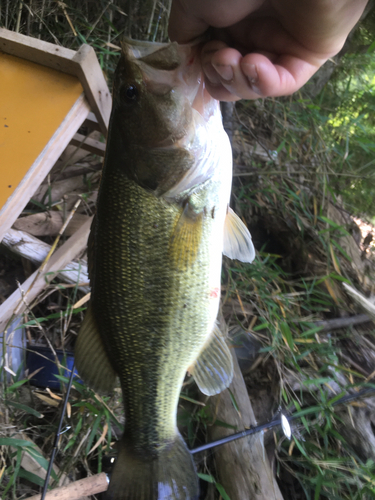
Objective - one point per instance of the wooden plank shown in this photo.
(27, 124)
(38, 51)
(82, 64)
(29, 247)
(92, 78)
(59, 260)
(38, 171)
(88, 144)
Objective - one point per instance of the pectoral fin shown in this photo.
(91, 358)
(213, 370)
(186, 238)
(237, 239)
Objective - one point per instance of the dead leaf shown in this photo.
(331, 291)
(101, 439)
(82, 301)
(46, 399)
(68, 189)
(334, 260)
(54, 396)
(34, 373)
(290, 451)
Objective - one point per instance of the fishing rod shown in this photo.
(283, 421)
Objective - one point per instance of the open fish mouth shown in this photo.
(167, 67)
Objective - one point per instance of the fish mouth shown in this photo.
(170, 64)
(170, 67)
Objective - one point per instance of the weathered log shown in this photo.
(75, 491)
(242, 466)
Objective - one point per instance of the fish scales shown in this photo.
(155, 251)
(145, 303)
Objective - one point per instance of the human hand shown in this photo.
(263, 48)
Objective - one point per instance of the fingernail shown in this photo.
(226, 72)
(211, 76)
(255, 89)
(251, 73)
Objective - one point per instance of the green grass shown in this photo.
(294, 282)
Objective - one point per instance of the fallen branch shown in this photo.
(336, 323)
(74, 491)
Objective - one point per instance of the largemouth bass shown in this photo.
(155, 253)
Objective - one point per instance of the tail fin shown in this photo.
(170, 475)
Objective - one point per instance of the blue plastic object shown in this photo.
(36, 358)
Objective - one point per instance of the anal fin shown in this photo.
(237, 239)
(213, 370)
(91, 358)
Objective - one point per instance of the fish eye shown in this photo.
(130, 93)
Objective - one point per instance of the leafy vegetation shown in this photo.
(297, 160)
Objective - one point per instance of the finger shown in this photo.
(230, 76)
(283, 75)
(224, 78)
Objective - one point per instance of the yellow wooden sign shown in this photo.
(34, 100)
